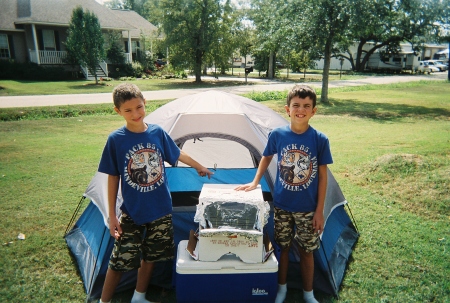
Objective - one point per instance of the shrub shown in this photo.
(12, 70)
(117, 71)
(138, 70)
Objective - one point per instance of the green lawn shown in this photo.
(391, 154)
(19, 88)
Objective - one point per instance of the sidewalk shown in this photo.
(263, 85)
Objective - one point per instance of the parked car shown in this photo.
(443, 63)
(438, 64)
(160, 63)
(424, 67)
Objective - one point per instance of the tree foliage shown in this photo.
(326, 28)
(191, 30)
(312, 26)
(229, 36)
(274, 24)
(384, 24)
(246, 42)
(300, 61)
(115, 52)
(85, 40)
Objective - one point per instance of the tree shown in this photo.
(272, 20)
(136, 5)
(387, 23)
(246, 42)
(261, 57)
(320, 27)
(154, 12)
(230, 39)
(191, 30)
(85, 40)
(114, 51)
(301, 61)
(115, 4)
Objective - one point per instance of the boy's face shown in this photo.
(133, 111)
(300, 110)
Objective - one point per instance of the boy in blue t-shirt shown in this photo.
(134, 156)
(300, 186)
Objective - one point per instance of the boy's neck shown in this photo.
(299, 129)
(137, 128)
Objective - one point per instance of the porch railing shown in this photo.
(102, 69)
(48, 57)
(57, 57)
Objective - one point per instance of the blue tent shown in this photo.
(227, 133)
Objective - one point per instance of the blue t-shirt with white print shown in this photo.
(138, 158)
(299, 158)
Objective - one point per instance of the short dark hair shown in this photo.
(124, 92)
(301, 91)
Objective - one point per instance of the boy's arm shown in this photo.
(113, 187)
(318, 220)
(201, 170)
(262, 167)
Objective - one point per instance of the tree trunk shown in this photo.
(94, 71)
(350, 59)
(326, 71)
(270, 72)
(198, 67)
(361, 65)
(198, 72)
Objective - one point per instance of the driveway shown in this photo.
(257, 85)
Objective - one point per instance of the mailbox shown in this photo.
(248, 70)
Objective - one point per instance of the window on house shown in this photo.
(4, 46)
(134, 46)
(48, 37)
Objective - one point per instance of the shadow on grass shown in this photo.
(153, 84)
(381, 111)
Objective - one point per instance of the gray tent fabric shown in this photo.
(219, 115)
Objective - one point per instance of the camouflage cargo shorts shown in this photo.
(304, 231)
(152, 242)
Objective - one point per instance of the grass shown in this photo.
(46, 112)
(21, 88)
(390, 147)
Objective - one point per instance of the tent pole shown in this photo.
(88, 297)
(353, 219)
(329, 270)
(74, 215)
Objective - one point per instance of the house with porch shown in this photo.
(35, 30)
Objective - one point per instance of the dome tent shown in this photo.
(227, 133)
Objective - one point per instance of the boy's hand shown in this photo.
(318, 222)
(204, 172)
(114, 228)
(246, 187)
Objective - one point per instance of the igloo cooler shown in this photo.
(226, 280)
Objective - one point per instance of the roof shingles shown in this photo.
(56, 12)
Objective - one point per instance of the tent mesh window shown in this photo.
(231, 215)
